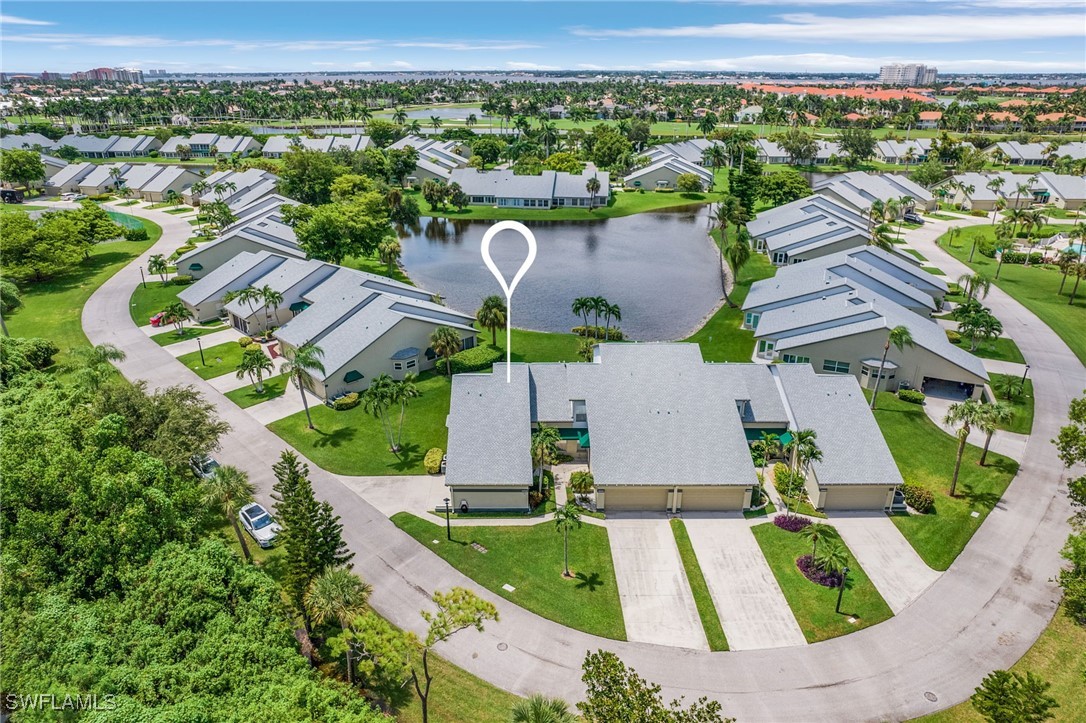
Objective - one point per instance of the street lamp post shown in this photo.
(448, 525)
(143, 279)
(201, 348)
(841, 590)
(1023, 382)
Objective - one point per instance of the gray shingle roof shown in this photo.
(238, 270)
(490, 430)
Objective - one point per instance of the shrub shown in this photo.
(101, 197)
(953, 337)
(181, 280)
(598, 332)
(39, 352)
(136, 234)
(791, 523)
(152, 154)
(1018, 257)
(432, 460)
(535, 499)
(475, 359)
(244, 341)
(757, 496)
(953, 289)
(816, 574)
(919, 498)
(912, 396)
(253, 346)
(787, 483)
(185, 248)
(978, 212)
(347, 401)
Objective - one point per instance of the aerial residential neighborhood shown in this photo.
(626, 362)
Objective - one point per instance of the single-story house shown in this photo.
(845, 334)
(1021, 154)
(1064, 191)
(88, 146)
(858, 189)
(276, 146)
(25, 141)
(235, 188)
(52, 165)
(204, 145)
(681, 443)
(897, 151)
(103, 179)
(170, 178)
(747, 114)
(67, 179)
(293, 278)
(205, 297)
(436, 159)
(550, 189)
(771, 152)
(692, 151)
(665, 172)
(1045, 187)
(259, 227)
(806, 229)
(131, 147)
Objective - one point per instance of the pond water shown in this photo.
(660, 268)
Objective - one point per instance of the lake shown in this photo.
(660, 268)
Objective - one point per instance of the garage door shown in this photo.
(856, 498)
(712, 498)
(636, 498)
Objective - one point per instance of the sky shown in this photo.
(982, 36)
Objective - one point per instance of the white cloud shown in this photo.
(13, 20)
(324, 65)
(807, 27)
(155, 41)
(514, 65)
(469, 45)
(399, 65)
(815, 62)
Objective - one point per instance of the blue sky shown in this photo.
(811, 35)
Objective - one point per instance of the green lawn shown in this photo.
(710, 620)
(913, 252)
(925, 455)
(1003, 349)
(52, 309)
(147, 300)
(1022, 406)
(1056, 657)
(933, 271)
(721, 338)
(812, 604)
(352, 442)
(530, 560)
(167, 338)
(373, 265)
(247, 396)
(13, 207)
(220, 359)
(1035, 287)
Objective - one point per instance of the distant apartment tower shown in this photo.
(124, 75)
(46, 75)
(907, 74)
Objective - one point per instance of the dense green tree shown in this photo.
(382, 132)
(401, 163)
(563, 161)
(1005, 697)
(488, 148)
(745, 182)
(783, 187)
(801, 146)
(857, 145)
(38, 249)
(307, 176)
(688, 183)
(929, 172)
(334, 231)
(21, 167)
(11, 300)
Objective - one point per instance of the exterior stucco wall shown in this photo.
(481, 499)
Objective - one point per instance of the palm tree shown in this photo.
(803, 449)
(833, 558)
(598, 303)
(770, 445)
(92, 365)
(566, 517)
(610, 311)
(173, 198)
(376, 400)
(229, 489)
(544, 444)
(991, 417)
(968, 414)
(592, 185)
(299, 364)
(881, 237)
(1036, 220)
(399, 116)
(271, 300)
(435, 122)
(900, 337)
(445, 341)
(817, 532)
(492, 315)
(736, 252)
(952, 235)
(157, 265)
(471, 120)
(254, 364)
(10, 300)
(977, 285)
(339, 594)
(403, 392)
(1066, 261)
(540, 709)
(582, 305)
(177, 314)
(389, 252)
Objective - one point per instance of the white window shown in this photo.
(751, 320)
(835, 367)
(765, 347)
(779, 258)
(793, 359)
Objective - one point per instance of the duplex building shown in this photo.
(915, 151)
(436, 159)
(1035, 154)
(276, 146)
(234, 188)
(109, 147)
(208, 145)
(259, 227)
(806, 229)
(661, 430)
(859, 190)
(665, 172)
(67, 179)
(1016, 190)
(771, 152)
(25, 141)
(550, 189)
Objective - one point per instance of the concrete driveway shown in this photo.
(898, 573)
(751, 606)
(656, 600)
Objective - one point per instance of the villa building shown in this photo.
(209, 145)
(665, 172)
(806, 229)
(276, 146)
(259, 227)
(437, 159)
(1017, 190)
(859, 190)
(550, 189)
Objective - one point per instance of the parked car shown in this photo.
(72, 197)
(158, 319)
(912, 217)
(11, 195)
(444, 462)
(203, 467)
(258, 523)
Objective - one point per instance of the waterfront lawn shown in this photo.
(220, 359)
(529, 558)
(721, 338)
(352, 442)
(710, 620)
(814, 605)
(52, 309)
(1003, 349)
(1022, 406)
(1035, 287)
(373, 265)
(167, 338)
(925, 455)
(148, 301)
(247, 396)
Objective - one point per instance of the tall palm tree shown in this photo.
(271, 299)
(389, 252)
(992, 415)
(492, 315)
(339, 594)
(803, 449)
(582, 305)
(770, 445)
(399, 116)
(544, 444)
(445, 341)
(376, 400)
(177, 314)
(967, 414)
(610, 311)
(881, 237)
(900, 337)
(817, 532)
(598, 305)
(91, 366)
(540, 709)
(403, 392)
(592, 185)
(158, 265)
(255, 364)
(300, 364)
(736, 252)
(566, 517)
(975, 285)
(435, 122)
(1037, 220)
(229, 489)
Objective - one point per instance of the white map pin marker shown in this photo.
(508, 288)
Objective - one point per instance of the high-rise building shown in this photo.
(907, 74)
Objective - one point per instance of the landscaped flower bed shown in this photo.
(816, 574)
(791, 523)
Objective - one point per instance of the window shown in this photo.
(765, 347)
(779, 258)
(835, 367)
(580, 411)
(751, 320)
(398, 366)
(793, 359)
(410, 364)
(467, 343)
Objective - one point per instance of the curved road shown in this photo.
(982, 614)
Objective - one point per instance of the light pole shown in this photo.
(1023, 382)
(448, 525)
(143, 279)
(201, 348)
(841, 590)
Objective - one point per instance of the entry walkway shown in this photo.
(751, 606)
(898, 573)
(656, 600)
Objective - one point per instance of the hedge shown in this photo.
(181, 280)
(911, 396)
(919, 498)
(475, 359)
(136, 234)
(598, 332)
(347, 401)
(432, 460)
(244, 341)
(953, 337)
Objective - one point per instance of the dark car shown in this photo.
(913, 217)
(10, 195)
(203, 467)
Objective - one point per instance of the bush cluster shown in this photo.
(244, 341)
(977, 212)
(101, 197)
(347, 401)
(912, 396)
(22, 355)
(791, 523)
(917, 497)
(181, 280)
(136, 234)
(1018, 257)
(953, 289)
(598, 332)
(953, 337)
(432, 460)
(184, 249)
(476, 359)
(816, 574)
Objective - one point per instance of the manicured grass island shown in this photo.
(529, 558)
(710, 620)
(216, 361)
(247, 396)
(1022, 406)
(170, 337)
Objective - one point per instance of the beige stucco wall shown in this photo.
(212, 257)
(649, 180)
(479, 499)
(850, 497)
(177, 185)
